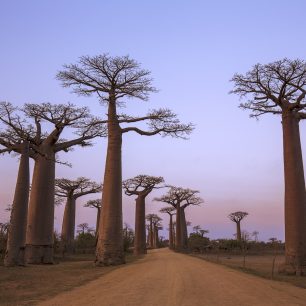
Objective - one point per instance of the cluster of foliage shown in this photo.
(197, 243)
(251, 246)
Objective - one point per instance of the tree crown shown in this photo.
(97, 203)
(274, 88)
(237, 216)
(76, 188)
(37, 130)
(114, 78)
(141, 185)
(105, 75)
(181, 197)
(170, 210)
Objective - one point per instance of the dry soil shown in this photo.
(165, 278)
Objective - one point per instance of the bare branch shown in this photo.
(104, 75)
(237, 216)
(180, 197)
(273, 87)
(141, 185)
(77, 188)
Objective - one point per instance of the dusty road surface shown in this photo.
(165, 278)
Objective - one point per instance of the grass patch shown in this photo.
(258, 265)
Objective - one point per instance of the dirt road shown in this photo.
(165, 278)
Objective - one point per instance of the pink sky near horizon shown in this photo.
(193, 51)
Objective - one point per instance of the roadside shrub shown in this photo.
(197, 243)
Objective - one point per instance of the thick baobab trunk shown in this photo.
(156, 240)
(170, 233)
(98, 220)
(40, 228)
(184, 230)
(18, 223)
(68, 226)
(151, 235)
(140, 226)
(178, 234)
(174, 235)
(109, 250)
(238, 231)
(295, 196)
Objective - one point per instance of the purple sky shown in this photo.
(192, 48)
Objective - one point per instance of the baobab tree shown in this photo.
(279, 88)
(72, 190)
(45, 144)
(84, 228)
(141, 186)
(15, 248)
(199, 231)
(170, 210)
(156, 227)
(97, 203)
(203, 232)
(237, 218)
(10, 141)
(153, 219)
(180, 198)
(112, 79)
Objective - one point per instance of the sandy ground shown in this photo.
(165, 278)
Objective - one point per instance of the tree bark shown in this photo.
(170, 233)
(238, 231)
(155, 237)
(109, 250)
(151, 236)
(68, 226)
(178, 234)
(98, 220)
(184, 230)
(295, 196)
(174, 235)
(17, 229)
(40, 228)
(140, 226)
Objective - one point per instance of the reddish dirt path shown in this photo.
(165, 278)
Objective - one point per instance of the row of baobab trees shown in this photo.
(177, 198)
(278, 88)
(36, 130)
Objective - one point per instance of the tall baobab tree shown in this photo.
(237, 218)
(45, 144)
(170, 211)
(180, 198)
(113, 79)
(14, 254)
(153, 219)
(279, 88)
(141, 186)
(156, 227)
(97, 203)
(84, 228)
(11, 141)
(72, 190)
(15, 138)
